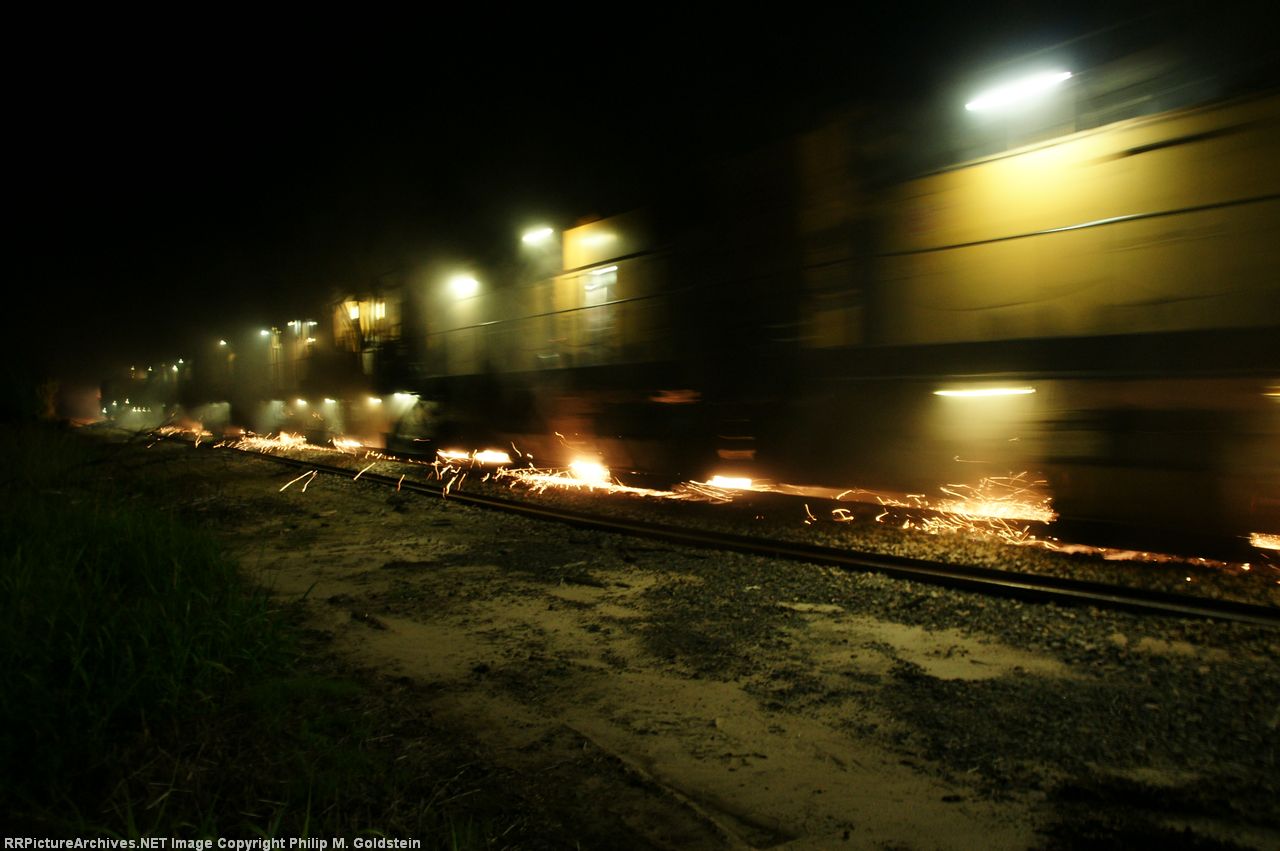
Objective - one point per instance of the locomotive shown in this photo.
(1093, 300)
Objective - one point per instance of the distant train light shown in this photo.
(986, 391)
(331, 401)
(301, 403)
(1020, 90)
(463, 286)
(374, 400)
(353, 312)
(537, 236)
(222, 342)
(264, 333)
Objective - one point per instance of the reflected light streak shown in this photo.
(986, 391)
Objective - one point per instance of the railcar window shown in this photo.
(599, 288)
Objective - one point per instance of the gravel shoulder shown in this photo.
(666, 697)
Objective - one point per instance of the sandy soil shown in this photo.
(572, 657)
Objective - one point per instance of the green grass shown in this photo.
(113, 617)
(152, 690)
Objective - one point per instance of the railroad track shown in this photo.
(1024, 586)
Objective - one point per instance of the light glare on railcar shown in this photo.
(986, 391)
(1019, 90)
(463, 286)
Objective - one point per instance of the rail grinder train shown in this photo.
(1095, 301)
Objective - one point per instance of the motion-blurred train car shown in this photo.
(1101, 308)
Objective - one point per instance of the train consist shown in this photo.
(1099, 307)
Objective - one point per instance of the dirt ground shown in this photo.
(606, 673)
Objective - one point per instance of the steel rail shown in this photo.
(1023, 586)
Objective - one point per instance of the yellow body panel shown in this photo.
(973, 253)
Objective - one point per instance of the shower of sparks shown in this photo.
(195, 431)
(259, 443)
(1000, 498)
(726, 488)
(580, 475)
(483, 456)
(996, 507)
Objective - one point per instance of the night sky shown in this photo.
(186, 176)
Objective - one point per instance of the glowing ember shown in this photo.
(730, 482)
(346, 444)
(1265, 540)
(591, 472)
(492, 456)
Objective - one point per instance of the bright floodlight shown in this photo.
(537, 236)
(986, 391)
(463, 286)
(1007, 95)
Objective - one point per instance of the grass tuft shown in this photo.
(154, 690)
